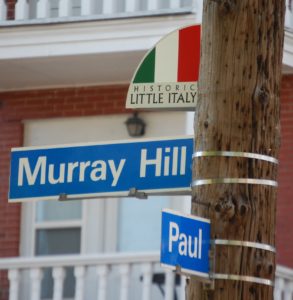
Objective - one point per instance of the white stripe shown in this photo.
(160, 192)
(186, 271)
(166, 64)
(180, 214)
(105, 143)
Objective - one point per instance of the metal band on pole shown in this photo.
(199, 182)
(244, 244)
(235, 154)
(242, 278)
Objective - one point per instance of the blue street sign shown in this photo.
(185, 243)
(157, 166)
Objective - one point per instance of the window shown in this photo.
(58, 229)
(95, 225)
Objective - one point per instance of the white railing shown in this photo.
(56, 10)
(107, 276)
(38, 11)
(284, 284)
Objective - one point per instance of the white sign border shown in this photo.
(103, 143)
(200, 275)
(184, 271)
(118, 194)
(169, 191)
(185, 215)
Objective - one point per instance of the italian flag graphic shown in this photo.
(167, 76)
(174, 59)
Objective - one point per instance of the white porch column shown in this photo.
(108, 6)
(147, 271)
(124, 285)
(182, 287)
(153, 4)
(36, 277)
(13, 276)
(102, 272)
(43, 9)
(87, 7)
(3, 10)
(130, 5)
(174, 4)
(65, 8)
(288, 290)
(279, 286)
(169, 285)
(79, 273)
(58, 276)
(21, 10)
(288, 17)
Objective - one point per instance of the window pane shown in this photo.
(187, 3)
(58, 211)
(58, 241)
(140, 223)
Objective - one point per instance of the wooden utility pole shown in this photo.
(238, 111)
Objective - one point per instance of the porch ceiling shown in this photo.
(79, 53)
(86, 53)
(77, 70)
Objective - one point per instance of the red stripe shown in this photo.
(189, 53)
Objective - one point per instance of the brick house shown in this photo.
(65, 70)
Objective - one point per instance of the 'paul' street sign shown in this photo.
(97, 170)
(167, 76)
(185, 243)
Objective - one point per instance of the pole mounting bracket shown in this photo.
(133, 192)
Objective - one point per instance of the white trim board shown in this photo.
(87, 37)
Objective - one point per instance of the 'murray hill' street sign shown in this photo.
(185, 243)
(96, 170)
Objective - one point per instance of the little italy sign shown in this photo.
(167, 76)
(103, 169)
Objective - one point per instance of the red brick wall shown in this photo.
(10, 136)
(285, 191)
(18, 106)
(85, 101)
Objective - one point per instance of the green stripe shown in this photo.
(146, 71)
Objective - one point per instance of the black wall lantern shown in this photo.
(135, 126)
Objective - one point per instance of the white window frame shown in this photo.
(184, 125)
